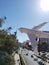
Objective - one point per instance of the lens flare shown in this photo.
(44, 5)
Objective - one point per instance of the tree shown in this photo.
(1, 21)
(8, 30)
(8, 43)
(6, 59)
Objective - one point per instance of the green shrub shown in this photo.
(6, 59)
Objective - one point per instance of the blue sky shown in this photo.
(23, 13)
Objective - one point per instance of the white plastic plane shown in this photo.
(34, 34)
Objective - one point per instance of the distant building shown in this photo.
(44, 39)
(28, 45)
(21, 44)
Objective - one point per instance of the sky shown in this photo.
(23, 13)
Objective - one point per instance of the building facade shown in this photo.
(44, 39)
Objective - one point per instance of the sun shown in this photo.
(44, 5)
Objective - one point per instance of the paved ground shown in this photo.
(17, 59)
(47, 63)
(28, 59)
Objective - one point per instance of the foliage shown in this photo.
(8, 43)
(1, 21)
(9, 28)
(6, 59)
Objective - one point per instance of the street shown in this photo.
(28, 59)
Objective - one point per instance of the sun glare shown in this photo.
(44, 5)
